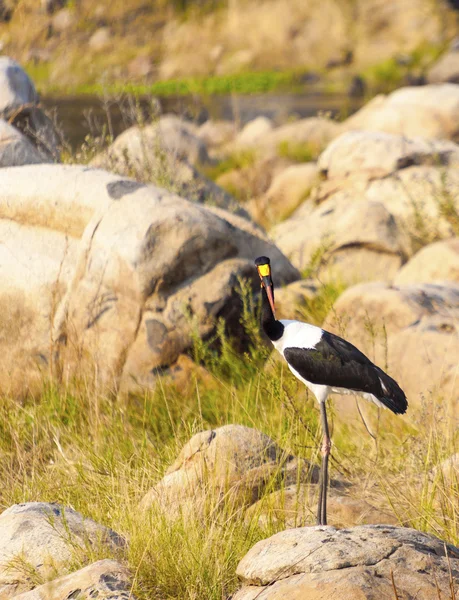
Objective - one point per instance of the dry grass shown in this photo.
(100, 456)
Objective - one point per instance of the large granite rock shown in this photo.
(19, 106)
(16, 87)
(287, 191)
(446, 68)
(435, 262)
(165, 153)
(430, 111)
(126, 274)
(16, 149)
(305, 135)
(102, 579)
(45, 537)
(410, 330)
(381, 198)
(367, 562)
(230, 465)
(338, 240)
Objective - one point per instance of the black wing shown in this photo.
(337, 363)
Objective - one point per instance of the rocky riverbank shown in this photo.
(137, 390)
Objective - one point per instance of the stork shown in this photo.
(326, 364)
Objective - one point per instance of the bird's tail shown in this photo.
(392, 394)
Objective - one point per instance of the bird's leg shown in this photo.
(326, 446)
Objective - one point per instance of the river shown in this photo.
(79, 116)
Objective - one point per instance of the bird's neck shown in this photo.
(273, 328)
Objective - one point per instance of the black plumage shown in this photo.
(326, 364)
(336, 363)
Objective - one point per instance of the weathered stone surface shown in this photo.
(435, 262)
(16, 87)
(287, 190)
(33, 122)
(18, 105)
(364, 562)
(45, 536)
(36, 266)
(164, 153)
(100, 39)
(102, 579)
(252, 133)
(392, 308)
(217, 133)
(350, 242)
(373, 154)
(139, 271)
(169, 135)
(431, 111)
(311, 134)
(412, 329)
(16, 149)
(296, 506)
(446, 69)
(253, 180)
(230, 464)
(401, 193)
(292, 299)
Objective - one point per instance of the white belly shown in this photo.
(321, 392)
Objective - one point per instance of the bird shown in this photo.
(326, 364)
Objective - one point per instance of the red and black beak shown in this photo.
(264, 272)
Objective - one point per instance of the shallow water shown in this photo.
(79, 116)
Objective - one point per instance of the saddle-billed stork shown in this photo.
(326, 364)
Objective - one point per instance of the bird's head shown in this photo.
(264, 271)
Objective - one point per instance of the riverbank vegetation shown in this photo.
(145, 46)
(100, 455)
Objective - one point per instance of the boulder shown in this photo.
(252, 180)
(365, 562)
(301, 140)
(36, 266)
(169, 136)
(430, 111)
(33, 122)
(46, 537)
(217, 133)
(389, 309)
(296, 506)
(435, 262)
(310, 135)
(63, 20)
(100, 39)
(16, 149)
(381, 198)
(252, 132)
(19, 106)
(139, 272)
(373, 155)
(164, 153)
(16, 87)
(293, 299)
(446, 68)
(286, 192)
(410, 331)
(230, 465)
(343, 241)
(102, 579)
